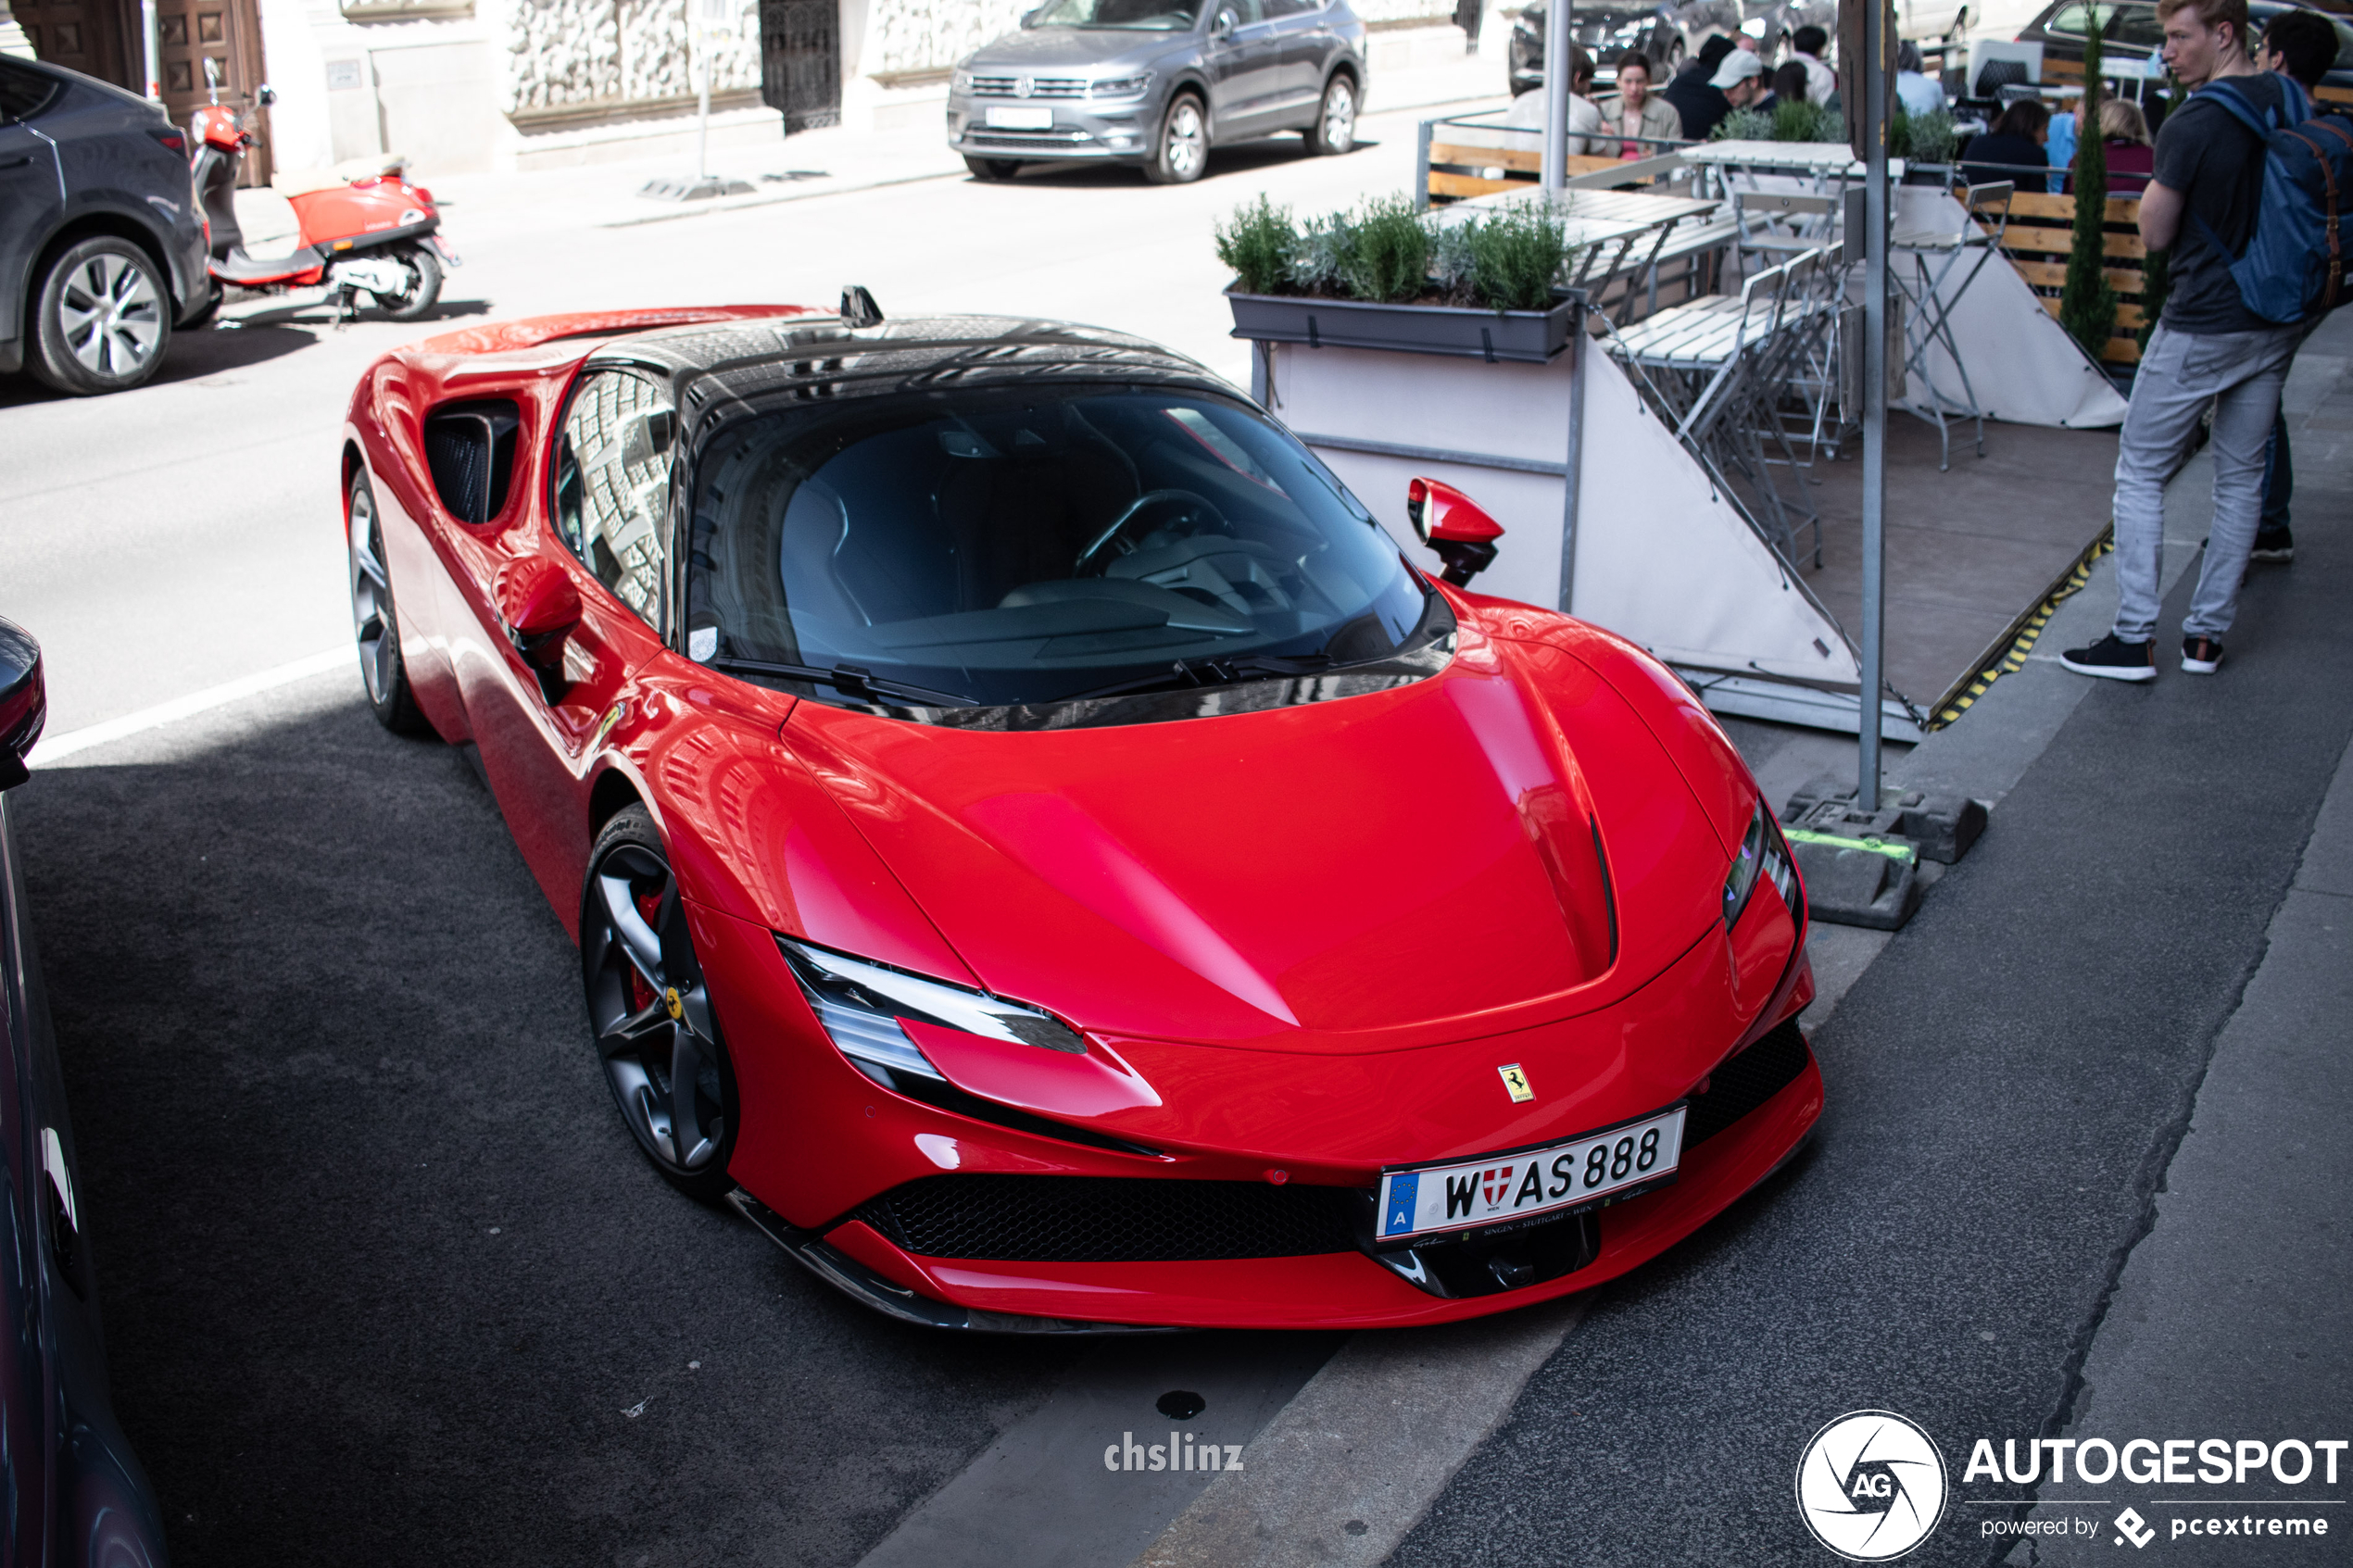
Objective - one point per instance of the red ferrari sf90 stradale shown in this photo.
(1040, 851)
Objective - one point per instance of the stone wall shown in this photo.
(920, 35)
(588, 55)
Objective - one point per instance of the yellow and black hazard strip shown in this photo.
(2019, 642)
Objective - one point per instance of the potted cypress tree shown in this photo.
(1383, 276)
(2087, 305)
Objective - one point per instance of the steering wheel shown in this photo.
(1150, 498)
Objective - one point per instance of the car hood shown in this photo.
(1376, 873)
(1072, 48)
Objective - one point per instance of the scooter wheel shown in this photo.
(424, 287)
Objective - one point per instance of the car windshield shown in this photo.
(1035, 545)
(1147, 16)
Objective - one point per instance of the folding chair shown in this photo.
(1928, 322)
(1781, 224)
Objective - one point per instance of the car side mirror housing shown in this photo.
(1224, 23)
(1455, 526)
(540, 607)
(24, 702)
(265, 94)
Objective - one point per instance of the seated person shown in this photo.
(1698, 104)
(1634, 110)
(1789, 86)
(2130, 159)
(2014, 144)
(1915, 89)
(1526, 112)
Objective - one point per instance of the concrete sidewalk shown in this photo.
(1413, 72)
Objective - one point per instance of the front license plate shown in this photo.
(1556, 1178)
(1012, 117)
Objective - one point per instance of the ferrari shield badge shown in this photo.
(673, 1004)
(1515, 1081)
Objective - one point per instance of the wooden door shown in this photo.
(228, 32)
(97, 38)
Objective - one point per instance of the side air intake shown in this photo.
(471, 449)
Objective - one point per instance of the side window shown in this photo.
(612, 486)
(23, 93)
(1277, 10)
(2137, 25)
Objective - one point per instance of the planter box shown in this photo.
(1520, 336)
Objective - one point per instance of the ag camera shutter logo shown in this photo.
(1871, 1485)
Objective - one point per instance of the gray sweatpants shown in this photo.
(2242, 372)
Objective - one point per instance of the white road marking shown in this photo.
(57, 748)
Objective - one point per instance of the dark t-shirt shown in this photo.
(1993, 156)
(1699, 103)
(2216, 163)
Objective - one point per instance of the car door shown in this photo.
(1244, 72)
(32, 187)
(609, 505)
(1303, 36)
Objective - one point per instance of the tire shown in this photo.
(994, 170)
(1181, 151)
(375, 623)
(424, 290)
(649, 1011)
(1334, 132)
(102, 319)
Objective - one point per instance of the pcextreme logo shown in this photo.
(1871, 1486)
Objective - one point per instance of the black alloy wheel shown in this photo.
(101, 318)
(650, 1012)
(375, 626)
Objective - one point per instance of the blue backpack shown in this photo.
(2293, 270)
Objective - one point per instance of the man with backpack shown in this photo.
(2301, 45)
(2210, 346)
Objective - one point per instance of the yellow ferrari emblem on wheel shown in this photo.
(669, 999)
(1515, 1081)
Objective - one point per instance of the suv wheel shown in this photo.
(993, 170)
(101, 319)
(1182, 151)
(1334, 132)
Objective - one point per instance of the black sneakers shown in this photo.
(2201, 656)
(2276, 545)
(2112, 658)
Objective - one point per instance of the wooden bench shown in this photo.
(1465, 169)
(2041, 236)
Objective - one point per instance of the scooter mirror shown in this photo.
(265, 95)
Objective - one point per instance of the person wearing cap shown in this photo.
(1738, 82)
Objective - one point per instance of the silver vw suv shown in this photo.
(1157, 83)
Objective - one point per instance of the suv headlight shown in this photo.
(1763, 855)
(960, 81)
(1124, 86)
(860, 1003)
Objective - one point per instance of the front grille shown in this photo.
(1002, 138)
(1039, 87)
(1109, 1219)
(1746, 1082)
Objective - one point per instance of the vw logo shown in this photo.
(1024, 86)
(1871, 1486)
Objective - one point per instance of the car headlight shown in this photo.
(1763, 856)
(1124, 86)
(860, 1005)
(960, 82)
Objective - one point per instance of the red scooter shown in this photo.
(377, 236)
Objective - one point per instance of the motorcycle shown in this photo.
(379, 235)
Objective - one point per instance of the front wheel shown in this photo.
(375, 626)
(649, 1009)
(1182, 151)
(101, 319)
(1334, 132)
(424, 289)
(993, 170)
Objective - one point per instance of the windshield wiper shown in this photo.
(850, 680)
(1188, 673)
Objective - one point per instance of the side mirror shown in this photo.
(540, 607)
(24, 702)
(1224, 23)
(1453, 524)
(265, 94)
(1030, 18)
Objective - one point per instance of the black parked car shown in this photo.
(76, 1495)
(2131, 30)
(1604, 31)
(101, 243)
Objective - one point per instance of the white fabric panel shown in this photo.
(2023, 365)
(1662, 558)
